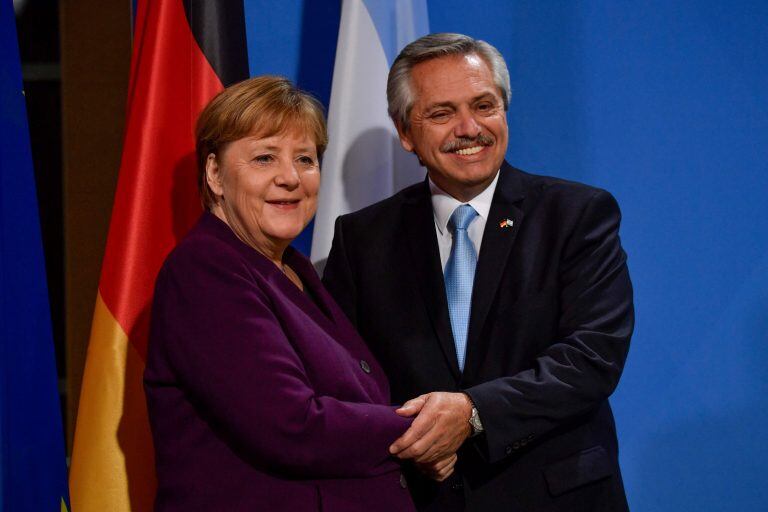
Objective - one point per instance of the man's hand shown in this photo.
(439, 470)
(438, 431)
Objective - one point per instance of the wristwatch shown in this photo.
(474, 419)
(475, 423)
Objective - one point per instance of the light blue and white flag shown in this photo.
(364, 162)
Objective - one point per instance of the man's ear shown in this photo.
(213, 175)
(405, 137)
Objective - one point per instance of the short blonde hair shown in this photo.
(262, 106)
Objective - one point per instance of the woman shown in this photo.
(261, 395)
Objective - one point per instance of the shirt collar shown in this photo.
(443, 204)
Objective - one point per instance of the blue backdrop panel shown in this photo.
(297, 40)
(665, 104)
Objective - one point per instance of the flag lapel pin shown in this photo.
(506, 223)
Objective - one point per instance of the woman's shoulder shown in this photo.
(211, 256)
(206, 243)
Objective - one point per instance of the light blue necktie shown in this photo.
(459, 277)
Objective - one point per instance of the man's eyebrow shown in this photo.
(450, 104)
(483, 96)
(441, 104)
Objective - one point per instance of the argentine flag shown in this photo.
(364, 162)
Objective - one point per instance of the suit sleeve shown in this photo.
(230, 355)
(582, 366)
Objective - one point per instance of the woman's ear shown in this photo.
(213, 175)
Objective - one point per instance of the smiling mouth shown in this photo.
(466, 146)
(470, 151)
(283, 203)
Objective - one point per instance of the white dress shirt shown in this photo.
(443, 206)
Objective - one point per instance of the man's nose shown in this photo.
(466, 125)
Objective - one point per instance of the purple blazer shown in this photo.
(261, 397)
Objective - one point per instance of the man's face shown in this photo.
(458, 123)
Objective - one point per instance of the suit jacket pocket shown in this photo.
(583, 468)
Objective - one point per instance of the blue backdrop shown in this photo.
(665, 104)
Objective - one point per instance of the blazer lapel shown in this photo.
(331, 319)
(318, 309)
(337, 323)
(504, 221)
(427, 273)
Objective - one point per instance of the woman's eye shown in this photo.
(306, 160)
(263, 159)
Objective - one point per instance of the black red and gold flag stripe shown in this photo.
(184, 53)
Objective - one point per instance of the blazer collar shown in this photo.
(321, 309)
(425, 269)
(504, 222)
(443, 204)
(427, 273)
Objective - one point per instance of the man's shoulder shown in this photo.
(548, 192)
(542, 189)
(552, 184)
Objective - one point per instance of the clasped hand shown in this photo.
(440, 428)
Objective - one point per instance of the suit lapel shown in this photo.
(498, 239)
(427, 274)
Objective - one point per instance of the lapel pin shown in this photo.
(506, 223)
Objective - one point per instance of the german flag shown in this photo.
(184, 53)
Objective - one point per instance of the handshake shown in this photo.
(440, 428)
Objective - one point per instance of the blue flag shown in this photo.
(32, 463)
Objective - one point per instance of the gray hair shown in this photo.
(400, 97)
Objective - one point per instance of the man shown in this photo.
(499, 299)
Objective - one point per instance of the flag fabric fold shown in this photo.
(32, 460)
(185, 51)
(364, 162)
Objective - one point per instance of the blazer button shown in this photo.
(508, 450)
(457, 486)
(365, 366)
(516, 445)
(403, 481)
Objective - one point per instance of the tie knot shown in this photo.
(462, 217)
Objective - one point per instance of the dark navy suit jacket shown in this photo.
(550, 324)
(260, 397)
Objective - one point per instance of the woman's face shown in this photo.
(266, 187)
